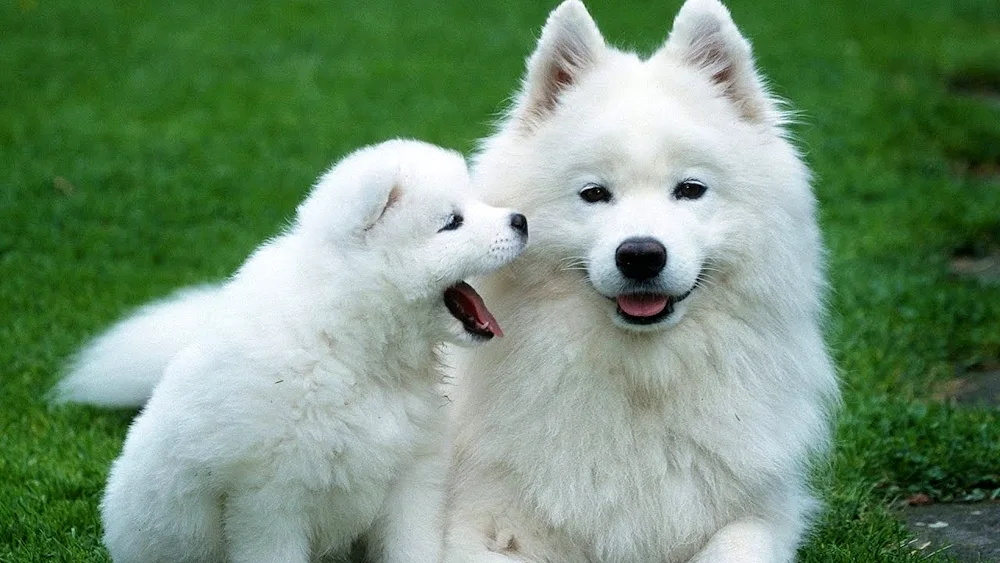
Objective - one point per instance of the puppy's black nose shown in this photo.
(640, 258)
(519, 223)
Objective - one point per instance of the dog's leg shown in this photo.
(484, 524)
(470, 549)
(263, 527)
(747, 541)
(409, 530)
(473, 537)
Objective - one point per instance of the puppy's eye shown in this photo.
(689, 189)
(594, 193)
(454, 222)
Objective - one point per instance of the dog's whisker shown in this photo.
(573, 263)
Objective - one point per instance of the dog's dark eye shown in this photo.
(454, 222)
(593, 193)
(689, 189)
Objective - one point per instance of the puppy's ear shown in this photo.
(704, 37)
(379, 203)
(569, 47)
(352, 197)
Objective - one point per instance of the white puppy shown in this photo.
(665, 384)
(304, 411)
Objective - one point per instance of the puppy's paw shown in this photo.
(503, 542)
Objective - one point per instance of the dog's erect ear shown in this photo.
(352, 196)
(570, 46)
(705, 37)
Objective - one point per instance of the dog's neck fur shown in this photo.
(291, 279)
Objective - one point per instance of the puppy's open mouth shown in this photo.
(467, 306)
(647, 308)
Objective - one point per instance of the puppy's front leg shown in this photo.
(262, 527)
(747, 541)
(410, 528)
(473, 548)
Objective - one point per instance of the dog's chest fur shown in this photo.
(640, 456)
(355, 417)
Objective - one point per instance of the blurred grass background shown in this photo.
(146, 146)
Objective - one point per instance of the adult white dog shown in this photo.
(296, 407)
(665, 383)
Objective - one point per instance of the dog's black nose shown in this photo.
(519, 223)
(640, 258)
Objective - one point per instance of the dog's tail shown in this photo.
(121, 367)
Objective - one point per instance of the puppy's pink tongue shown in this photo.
(467, 306)
(642, 305)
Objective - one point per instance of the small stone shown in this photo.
(918, 499)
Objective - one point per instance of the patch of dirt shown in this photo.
(979, 170)
(984, 268)
(975, 387)
(979, 256)
(982, 83)
(63, 186)
(967, 532)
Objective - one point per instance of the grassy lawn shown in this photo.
(152, 145)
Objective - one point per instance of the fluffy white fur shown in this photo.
(584, 437)
(121, 367)
(299, 407)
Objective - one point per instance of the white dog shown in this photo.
(665, 383)
(301, 408)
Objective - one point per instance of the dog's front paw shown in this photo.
(503, 542)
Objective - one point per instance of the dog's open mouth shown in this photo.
(647, 308)
(467, 306)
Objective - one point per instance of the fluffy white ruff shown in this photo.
(299, 406)
(585, 436)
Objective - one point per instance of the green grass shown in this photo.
(145, 147)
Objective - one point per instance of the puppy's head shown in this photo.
(653, 184)
(400, 214)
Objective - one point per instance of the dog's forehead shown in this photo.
(630, 118)
(436, 176)
(636, 140)
(435, 194)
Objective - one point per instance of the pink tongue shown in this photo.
(642, 305)
(472, 304)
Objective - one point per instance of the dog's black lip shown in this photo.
(666, 312)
